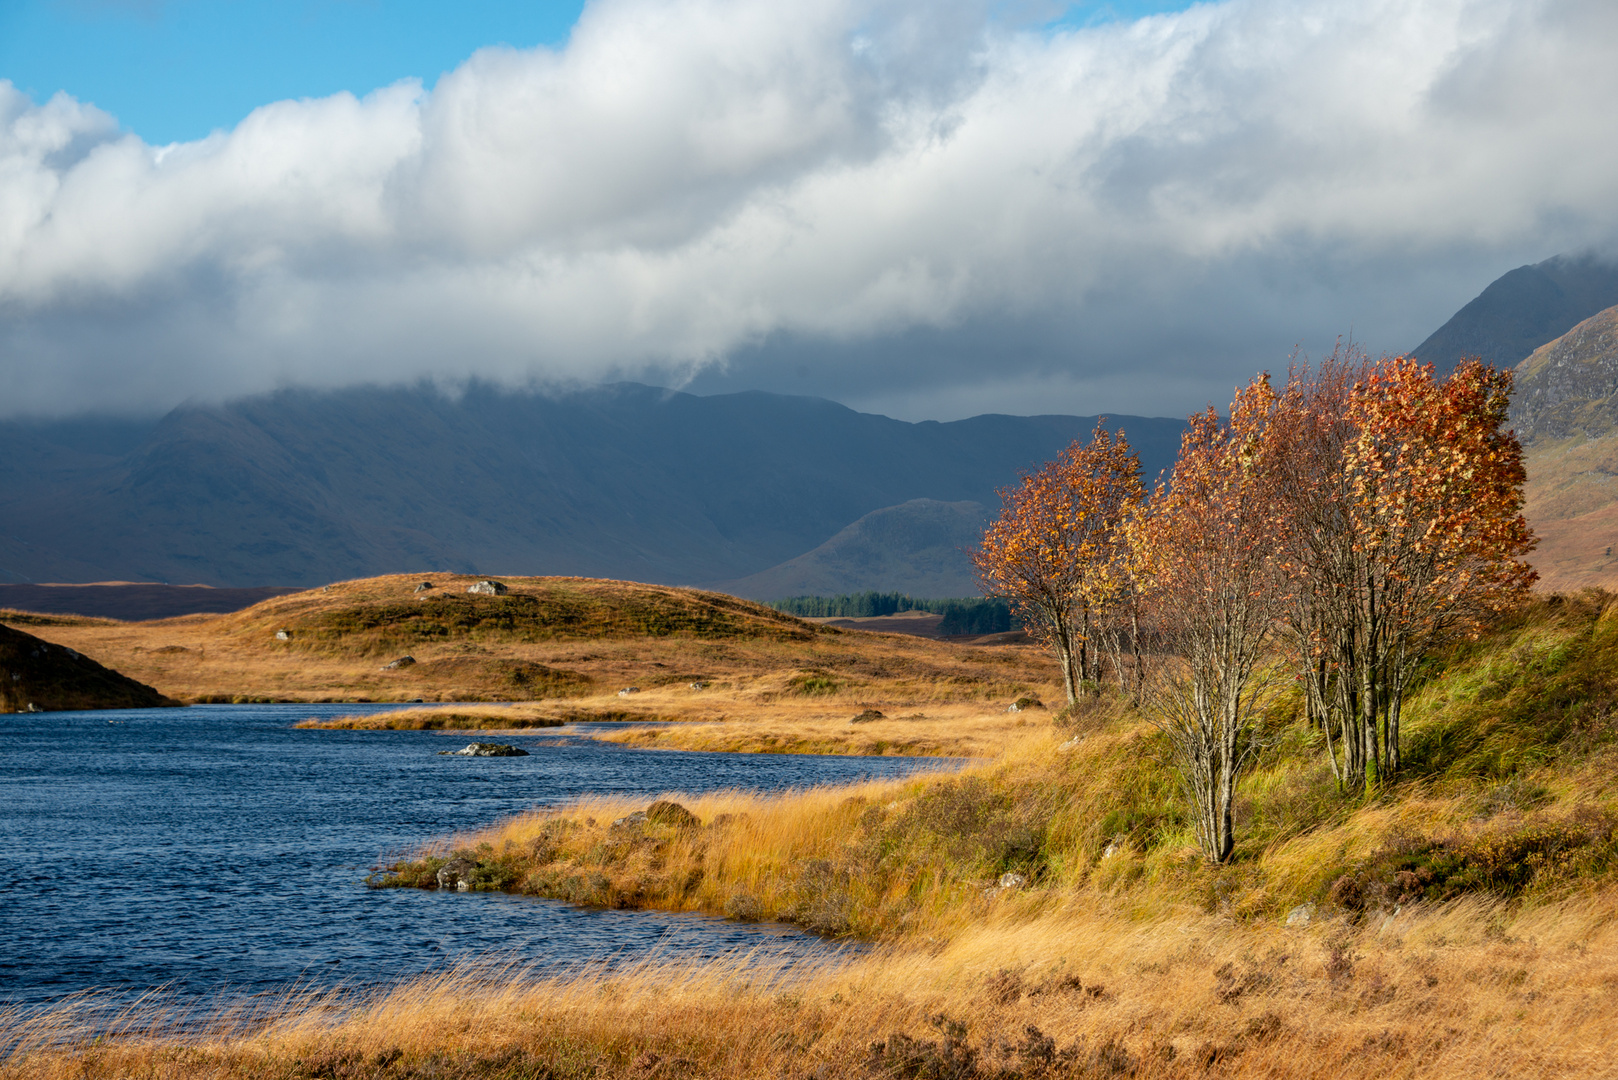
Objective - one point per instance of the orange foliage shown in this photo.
(1057, 552)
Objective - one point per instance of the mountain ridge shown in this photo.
(626, 481)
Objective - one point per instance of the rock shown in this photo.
(664, 812)
(699, 685)
(423, 587)
(1071, 744)
(631, 821)
(866, 717)
(1012, 880)
(488, 588)
(457, 874)
(626, 691)
(402, 662)
(1301, 915)
(1023, 704)
(283, 635)
(485, 749)
(1112, 849)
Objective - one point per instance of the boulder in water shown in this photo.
(457, 874)
(485, 749)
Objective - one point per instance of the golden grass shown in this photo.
(571, 642)
(1468, 988)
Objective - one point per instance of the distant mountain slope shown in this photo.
(1570, 386)
(1566, 412)
(1523, 309)
(627, 481)
(131, 603)
(917, 547)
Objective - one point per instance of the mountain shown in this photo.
(1524, 309)
(627, 481)
(1566, 413)
(918, 547)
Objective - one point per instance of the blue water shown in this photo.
(217, 847)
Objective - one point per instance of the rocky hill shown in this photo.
(1566, 412)
(36, 676)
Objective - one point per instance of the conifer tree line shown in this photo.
(1328, 534)
(961, 615)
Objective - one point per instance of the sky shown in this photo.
(927, 209)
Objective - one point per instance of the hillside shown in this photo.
(573, 642)
(1566, 413)
(1523, 309)
(919, 547)
(36, 676)
(627, 481)
(129, 601)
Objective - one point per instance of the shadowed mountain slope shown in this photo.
(1523, 309)
(918, 547)
(627, 481)
(36, 676)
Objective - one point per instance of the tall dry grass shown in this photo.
(1469, 988)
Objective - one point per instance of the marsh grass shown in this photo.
(1465, 988)
(1463, 921)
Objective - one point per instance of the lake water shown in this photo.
(218, 848)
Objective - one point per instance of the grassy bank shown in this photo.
(1510, 794)
(1466, 988)
(1044, 912)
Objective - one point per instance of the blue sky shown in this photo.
(174, 70)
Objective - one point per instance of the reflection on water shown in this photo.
(217, 846)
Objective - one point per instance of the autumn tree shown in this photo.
(1058, 554)
(1402, 500)
(1436, 483)
(1205, 556)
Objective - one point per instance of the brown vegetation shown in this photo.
(1469, 988)
(1460, 919)
(571, 641)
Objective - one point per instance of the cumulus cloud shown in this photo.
(906, 204)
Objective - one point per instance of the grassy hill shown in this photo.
(574, 640)
(1042, 913)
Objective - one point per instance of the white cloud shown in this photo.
(691, 180)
